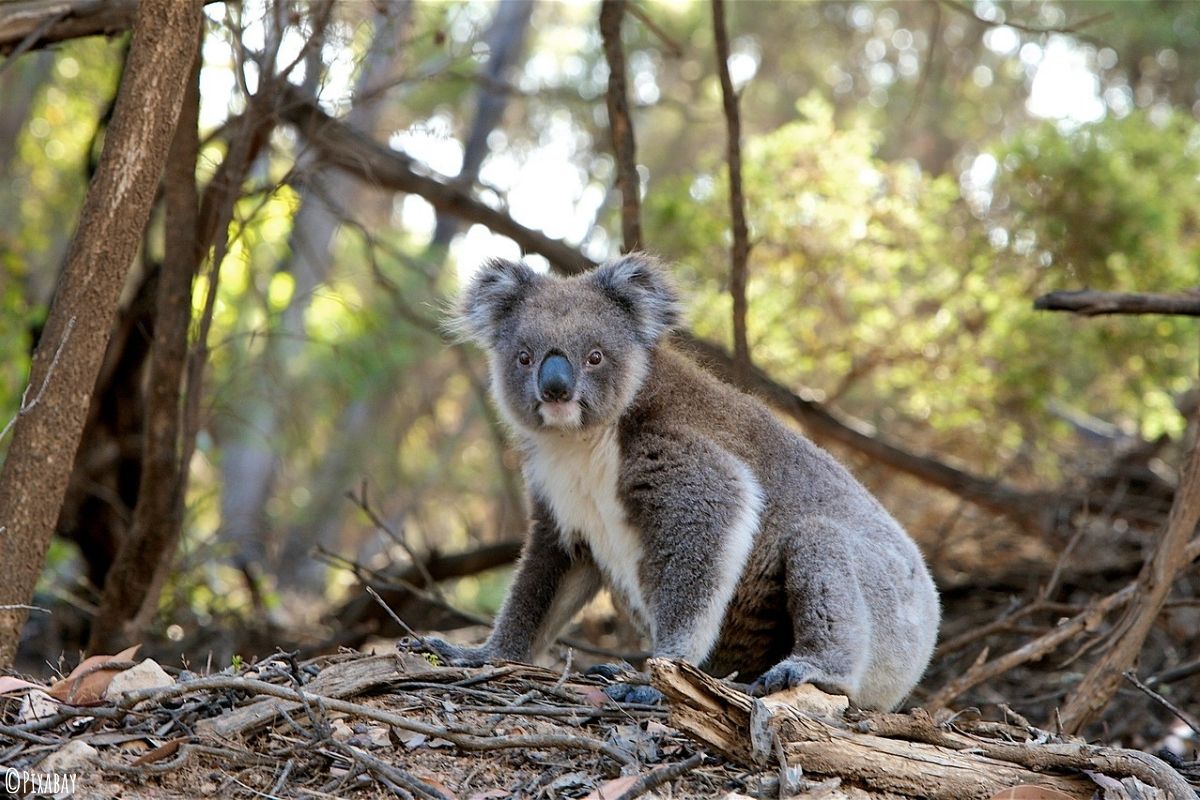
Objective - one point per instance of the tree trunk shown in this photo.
(158, 515)
(34, 477)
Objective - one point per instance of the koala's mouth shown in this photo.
(561, 414)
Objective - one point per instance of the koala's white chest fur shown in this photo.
(576, 474)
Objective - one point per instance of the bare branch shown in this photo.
(740, 249)
(31, 24)
(1090, 303)
(624, 147)
(1171, 555)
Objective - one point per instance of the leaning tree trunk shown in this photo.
(63, 374)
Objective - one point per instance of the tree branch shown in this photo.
(621, 127)
(1090, 303)
(740, 249)
(32, 24)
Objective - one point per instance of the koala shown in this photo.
(734, 542)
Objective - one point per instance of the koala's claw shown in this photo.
(609, 671)
(453, 655)
(784, 675)
(637, 693)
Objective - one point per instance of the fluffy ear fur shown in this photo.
(492, 294)
(641, 286)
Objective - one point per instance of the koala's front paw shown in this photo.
(453, 655)
(634, 693)
(784, 675)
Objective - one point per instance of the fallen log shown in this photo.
(906, 754)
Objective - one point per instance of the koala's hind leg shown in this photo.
(830, 618)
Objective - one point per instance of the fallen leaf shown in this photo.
(36, 705)
(611, 790)
(9, 685)
(87, 683)
(164, 750)
(441, 787)
(595, 696)
(1028, 791)
(490, 794)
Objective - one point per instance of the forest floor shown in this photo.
(396, 725)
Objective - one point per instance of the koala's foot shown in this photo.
(453, 655)
(634, 693)
(793, 672)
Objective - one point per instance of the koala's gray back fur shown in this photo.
(736, 542)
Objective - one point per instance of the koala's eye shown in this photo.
(595, 357)
(524, 359)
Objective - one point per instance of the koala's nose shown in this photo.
(556, 380)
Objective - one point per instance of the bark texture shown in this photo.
(158, 515)
(624, 146)
(35, 472)
(1090, 303)
(740, 248)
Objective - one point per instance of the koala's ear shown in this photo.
(492, 294)
(639, 283)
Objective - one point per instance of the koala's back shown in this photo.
(853, 550)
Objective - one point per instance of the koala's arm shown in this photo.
(698, 509)
(549, 586)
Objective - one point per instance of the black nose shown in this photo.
(556, 381)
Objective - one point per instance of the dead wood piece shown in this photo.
(957, 766)
(1090, 303)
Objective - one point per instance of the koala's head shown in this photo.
(568, 353)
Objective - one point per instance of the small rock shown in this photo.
(146, 675)
(70, 758)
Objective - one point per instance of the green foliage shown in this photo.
(874, 284)
(1110, 206)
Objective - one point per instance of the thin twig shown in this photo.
(1187, 719)
(673, 47)
(395, 617)
(25, 409)
(392, 773)
(361, 501)
(652, 780)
